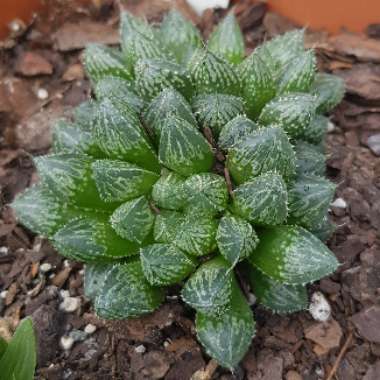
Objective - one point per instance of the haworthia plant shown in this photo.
(192, 165)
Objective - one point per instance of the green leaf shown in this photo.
(235, 131)
(138, 40)
(196, 235)
(299, 73)
(165, 264)
(120, 136)
(278, 297)
(207, 192)
(118, 91)
(324, 230)
(154, 75)
(19, 360)
(236, 238)
(267, 149)
(315, 133)
(179, 35)
(227, 40)
(84, 115)
(329, 90)
(92, 239)
(94, 276)
(101, 61)
(212, 74)
(183, 148)
(126, 293)
(119, 181)
(68, 178)
(41, 212)
(167, 102)
(208, 290)
(215, 110)
(166, 225)
(133, 220)
(310, 160)
(292, 112)
(309, 199)
(259, 86)
(168, 192)
(262, 200)
(292, 255)
(227, 337)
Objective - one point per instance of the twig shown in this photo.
(154, 208)
(208, 134)
(228, 182)
(340, 356)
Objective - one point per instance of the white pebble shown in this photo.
(45, 267)
(330, 127)
(42, 94)
(81, 272)
(64, 293)
(339, 203)
(319, 307)
(66, 342)
(70, 304)
(3, 294)
(140, 349)
(201, 6)
(251, 299)
(15, 26)
(66, 263)
(3, 250)
(90, 329)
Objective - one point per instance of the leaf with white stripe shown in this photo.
(126, 293)
(278, 297)
(216, 110)
(310, 160)
(227, 40)
(212, 74)
(120, 136)
(207, 192)
(315, 133)
(324, 229)
(329, 90)
(101, 61)
(292, 255)
(118, 181)
(262, 200)
(165, 264)
(94, 276)
(236, 238)
(209, 289)
(227, 337)
(168, 192)
(309, 199)
(196, 235)
(92, 239)
(133, 220)
(183, 148)
(235, 131)
(166, 225)
(292, 112)
(265, 150)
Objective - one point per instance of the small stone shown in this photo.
(64, 293)
(4, 294)
(42, 94)
(373, 372)
(140, 349)
(339, 203)
(45, 267)
(373, 143)
(78, 335)
(367, 322)
(73, 72)
(319, 307)
(293, 375)
(66, 342)
(330, 127)
(201, 6)
(70, 304)
(90, 329)
(31, 64)
(251, 299)
(4, 250)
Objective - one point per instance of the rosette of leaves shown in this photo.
(193, 165)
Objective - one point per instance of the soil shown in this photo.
(41, 79)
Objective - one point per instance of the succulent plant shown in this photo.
(195, 166)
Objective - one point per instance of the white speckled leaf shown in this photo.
(94, 276)
(207, 192)
(227, 40)
(236, 238)
(227, 337)
(208, 290)
(262, 200)
(310, 159)
(183, 148)
(292, 255)
(119, 181)
(266, 150)
(216, 110)
(165, 264)
(315, 133)
(133, 220)
(126, 293)
(166, 225)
